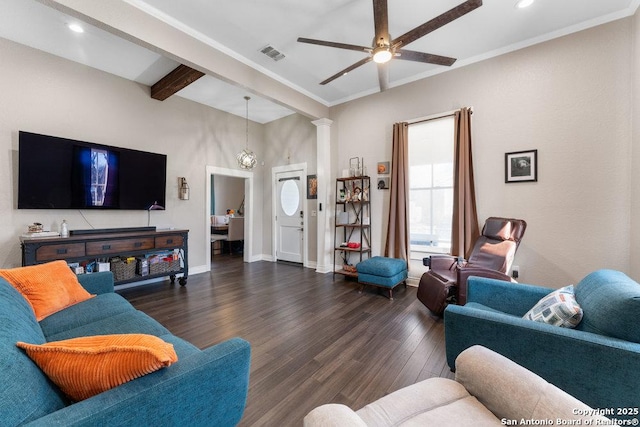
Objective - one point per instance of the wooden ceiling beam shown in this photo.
(173, 82)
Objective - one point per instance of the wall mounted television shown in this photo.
(60, 173)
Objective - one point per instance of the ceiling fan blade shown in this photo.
(346, 70)
(334, 44)
(381, 22)
(437, 22)
(383, 76)
(411, 55)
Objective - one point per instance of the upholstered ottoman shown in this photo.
(382, 272)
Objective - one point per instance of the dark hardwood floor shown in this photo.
(313, 340)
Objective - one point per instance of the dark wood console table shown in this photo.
(86, 247)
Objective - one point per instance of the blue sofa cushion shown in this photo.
(130, 322)
(611, 304)
(26, 393)
(95, 309)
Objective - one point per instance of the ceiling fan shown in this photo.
(384, 49)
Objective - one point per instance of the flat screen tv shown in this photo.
(60, 173)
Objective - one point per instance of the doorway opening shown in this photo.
(247, 207)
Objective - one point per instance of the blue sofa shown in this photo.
(598, 362)
(204, 388)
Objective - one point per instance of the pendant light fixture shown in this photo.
(247, 158)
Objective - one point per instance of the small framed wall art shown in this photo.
(383, 168)
(383, 183)
(521, 166)
(312, 186)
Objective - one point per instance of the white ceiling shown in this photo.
(241, 28)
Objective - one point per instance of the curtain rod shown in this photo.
(435, 116)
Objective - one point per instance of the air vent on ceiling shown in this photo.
(272, 53)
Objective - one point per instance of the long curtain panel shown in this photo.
(465, 229)
(397, 242)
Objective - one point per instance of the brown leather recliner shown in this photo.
(492, 255)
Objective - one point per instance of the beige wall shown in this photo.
(568, 98)
(291, 140)
(229, 193)
(45, 94)
(635, 158)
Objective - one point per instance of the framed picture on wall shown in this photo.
(312, 186)
(383, 168)
(383, 183)
(521, 166)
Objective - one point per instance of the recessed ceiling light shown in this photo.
(76, 28)
(524, 3)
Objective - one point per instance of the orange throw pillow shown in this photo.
(49, 287)
(83, 367)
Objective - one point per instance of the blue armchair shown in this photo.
(598, 362)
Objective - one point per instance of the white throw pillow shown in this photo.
(559, 308)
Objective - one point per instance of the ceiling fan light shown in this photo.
(521, 4)
(76, 28)
(382, 54)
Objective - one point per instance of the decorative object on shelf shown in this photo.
(36, 231)
(36, 227)
(342, 195)
(521, 166)
(183, 188)
(312, 186)
(64, 229)
(355, 166)
(383, 168)
(357, 194)
(349, 268)
(383, 183)
(247, 158)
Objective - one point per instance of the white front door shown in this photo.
(289, 216)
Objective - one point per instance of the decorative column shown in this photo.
(324, 232)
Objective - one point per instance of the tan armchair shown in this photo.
(489, 390)
(491, 256)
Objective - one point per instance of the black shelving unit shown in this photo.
(352, 224)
